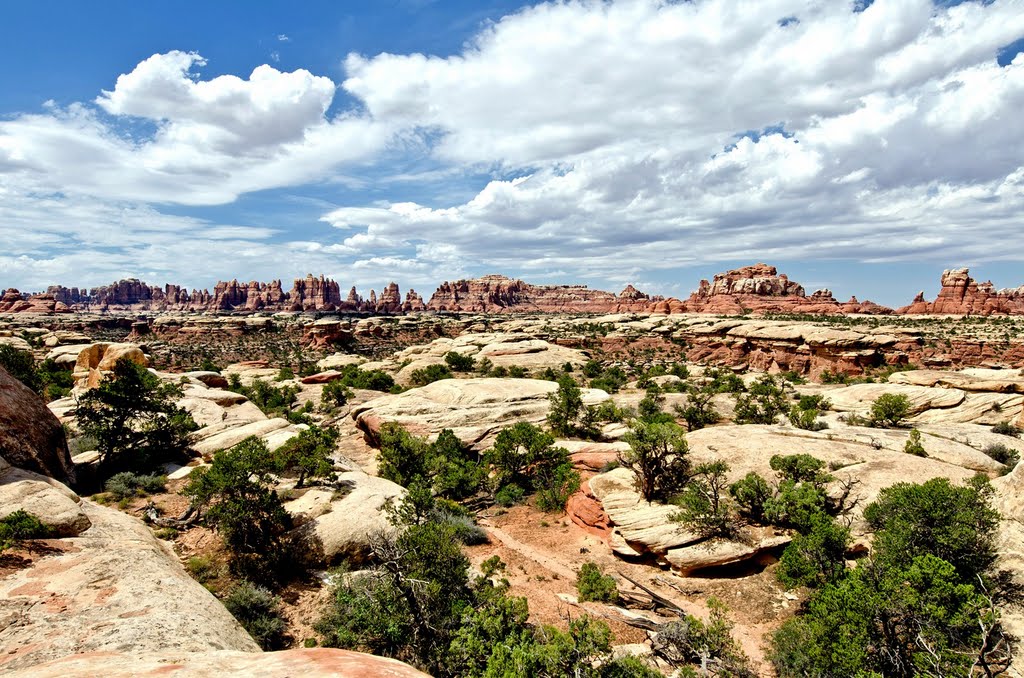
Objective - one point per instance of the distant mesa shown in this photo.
(498, 294)
(758, 289)
(761, 289)
(960, 294)
(308, 294)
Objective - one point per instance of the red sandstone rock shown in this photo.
(760, 289)
(960, 294)
(498, 294)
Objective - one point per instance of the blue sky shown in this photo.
(861, 148)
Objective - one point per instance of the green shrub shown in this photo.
(554, 486)
(429, 374)
(751, 493)
(566, 405)
(459, 362)
(691, 641)
(285, 373)
(127, 484)
(817, 557)
(202, 568)
(309, 455)
(238, 492)
(594, 585)
(762, 404)
(517, 372)
(658, 456)
(509, 495)
(704, 504)
(21, 525)
(259, 612)
(806, 419)
(913, 445)
(1007, 456)
(1006, 428)
(830, 377)
(335, 394)
(889, 410)
(21, 365)
(134, 420)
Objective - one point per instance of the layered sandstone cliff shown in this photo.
(960, 294)
(307, 294)
(498, 294)
(761, 289)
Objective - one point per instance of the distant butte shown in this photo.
(757, 289)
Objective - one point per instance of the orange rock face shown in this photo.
(498, 294)
(960, 294)
(307, 294)
(761, 289)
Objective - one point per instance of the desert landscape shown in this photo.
(581, 386)
(512, 339)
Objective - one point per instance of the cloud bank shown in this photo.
(615, 139)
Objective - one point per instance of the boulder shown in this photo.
(343, 523)
(96, 361)
(31, 437)
(45, 498)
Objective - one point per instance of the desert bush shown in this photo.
(706, 644)
(127, 484)
(658, 456)
(1007, 456)
(699, 410)
(594, 585)
(1006, 428)
(889, 410)
(309, 455)
(259, 612)
(429, 374)
(555, 485)
(335, 394)
(202, 568)
(913, 445)
(704, 503)
(238, 493)
(20, 525)
(751, 493)
(762, 404)
(566, 406)
(817, 557)
(459, 362)
(134, 420)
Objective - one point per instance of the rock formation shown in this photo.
(960, 294)
(498, 294)
(31, 438)
(760, 289)
(309, 294)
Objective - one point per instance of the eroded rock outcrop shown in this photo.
(960, 294)
(31, 437)
(760, 289)
(498, 294)
(474, 409)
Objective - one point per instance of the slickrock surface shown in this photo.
(309, 662)
(474, 409)
(113, 588)
(503, 349)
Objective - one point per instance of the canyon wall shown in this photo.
(498, 294)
